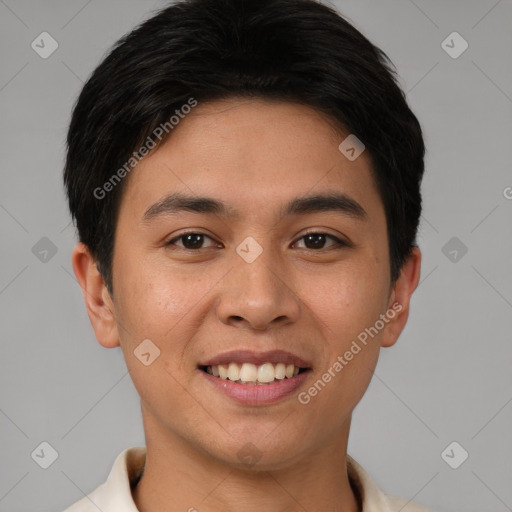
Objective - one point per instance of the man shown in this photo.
(245, 178)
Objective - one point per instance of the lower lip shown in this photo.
(257, 394)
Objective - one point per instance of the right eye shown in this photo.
(191, 240)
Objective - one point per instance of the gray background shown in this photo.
(449, 377)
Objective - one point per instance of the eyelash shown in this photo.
(339, 243)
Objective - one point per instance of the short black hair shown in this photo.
(298, 51)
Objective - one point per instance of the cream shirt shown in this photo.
(115, 494)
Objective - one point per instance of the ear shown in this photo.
(98, 302)
(400, 298)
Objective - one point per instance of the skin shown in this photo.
(254, 155)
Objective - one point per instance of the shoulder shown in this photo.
(371, 497)
(397, 504)
(114, 495)
(89, 503)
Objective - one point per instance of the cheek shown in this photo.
(150, 297)
(152, 305)
(348, 301)
(343, 308)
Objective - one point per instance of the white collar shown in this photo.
(115, 495)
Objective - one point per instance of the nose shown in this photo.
(258, 295)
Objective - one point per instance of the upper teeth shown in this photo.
(250, 373)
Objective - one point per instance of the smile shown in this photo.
(249, 373)
(255, 378)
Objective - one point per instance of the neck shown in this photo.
(180, 477)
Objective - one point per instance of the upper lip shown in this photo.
(256, 358)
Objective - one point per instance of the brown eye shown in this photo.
(190, 241)
(318, 240)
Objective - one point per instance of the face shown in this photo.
(274, 278)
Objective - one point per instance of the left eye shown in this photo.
(317, 240)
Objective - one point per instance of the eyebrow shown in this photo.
(332, 201)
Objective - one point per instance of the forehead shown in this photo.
(253, 155)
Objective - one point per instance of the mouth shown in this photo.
(249, 373)
(256, 378)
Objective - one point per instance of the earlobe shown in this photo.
(98, 303)
(400, 297)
